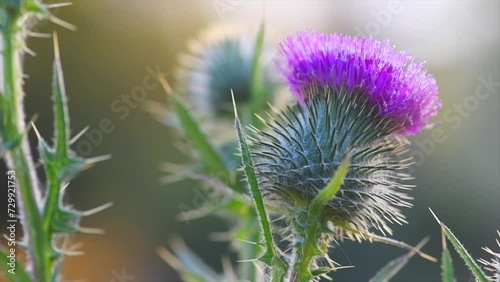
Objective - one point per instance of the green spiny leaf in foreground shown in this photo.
(55, 160)
(469, 261)
(447, 274)
(61, 117)
(60, 165)
(393, 267)
(20, 274)
(59, 162)
(271, 256)
(210, 158)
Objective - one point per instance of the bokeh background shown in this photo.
(457, 172)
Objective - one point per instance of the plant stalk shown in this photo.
(18, 153)
(305, 253)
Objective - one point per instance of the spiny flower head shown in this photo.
(220, 61)
(304, 145)
(394, 82)
(356, 97)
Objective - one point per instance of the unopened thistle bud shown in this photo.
(221, 61)
(356, 97)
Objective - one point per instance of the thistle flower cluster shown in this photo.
(357, 97)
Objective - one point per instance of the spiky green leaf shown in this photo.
(59, 162)
(270, 257)
(61, 117)
(447, 274)
(212, 162)
(469, 261)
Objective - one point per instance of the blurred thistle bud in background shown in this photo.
(222, 60)
(357, 97)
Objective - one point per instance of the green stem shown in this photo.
(305, 253)
(18, 151)
(309, 227)
(308, 243)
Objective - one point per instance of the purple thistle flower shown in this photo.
(358, 97)
(394, 82)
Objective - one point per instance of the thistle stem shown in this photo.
(18, 155)
(308, 232)
(305, 252)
